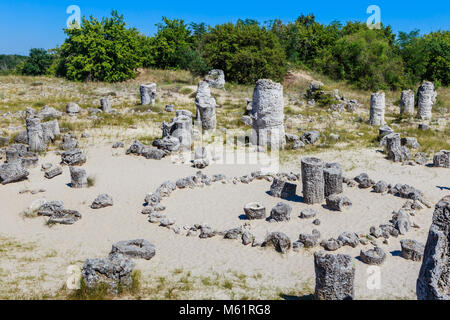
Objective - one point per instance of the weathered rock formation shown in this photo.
(148, 93)
(407, 102)
(206, 106)
(313, 180)
(426, 97)
(268, 115)
(78, 177)
(216, 79)
(377, 108)
(332, 174)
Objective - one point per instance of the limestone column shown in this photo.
(148, 94)
(377, 108)
(35, 135)
(313, 180)
(206, 106)
(78, 177)
(332, 175)
(407, 102)
(426, 97)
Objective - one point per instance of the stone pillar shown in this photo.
(313, 181)
(426, 97)
(377, 108)
(216, 78)
(35, 135)
(78, 177)
(433, 282)
(105, 105)
(407, 102)
(335, 275)
(148, 93)
(268, 114)
(206, 106)
(51, 130)
(181, 128)
(332, 175)
(396, 152)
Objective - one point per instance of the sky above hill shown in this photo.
(39, 24)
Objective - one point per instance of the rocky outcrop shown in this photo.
(335, 275)
(433, 282)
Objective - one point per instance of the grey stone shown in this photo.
(442, 159)
(78, 177)
(206, 106)
(216, 78)
(50, 208)
(69, 142)
(338, 202)
(279, 240)
(309, 240)
(254, 211)
(310, 137)
(35, 135)
(53, 172)
(331, 244)
(49, 112)
(268, 115)
(105, 105)
(64, 216)
(412, 250)
(73, 108)
(235, 233)
(138, 248)
(396, 152)
(51, 130)
(167, 143)
(308, 213)
(349, 239)
(410, 142)
(247, 238)
(375, 256)
(332, 174)
(316, 222)
(377, 109)
(153, 153)
(380, 187)
(312, 180)
(12, 172)
(148, 93)
(102, 201)
(433, 282)
(169, 108)
(363, 180)
(118, 145)
(281, 212)
(74, 157)
(407, 102)
(114, 271)
(282, 189)
(335, 276)
(426, 97)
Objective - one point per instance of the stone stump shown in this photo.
(335, 275)
(78, 177)
(148, 93)
(313, 180)
(206, 106)
(377, 108)
(180, 128)
(35, 135)
(434, 281)
(396, 152)
(268, 115)
(105, 105)
(407, 102)
(426, 97)
(442, 159)
(332, 175)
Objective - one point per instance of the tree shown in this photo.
(245, 51)
(37, 63)
(101, 50)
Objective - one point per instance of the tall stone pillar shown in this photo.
(426, 97)
(35, 135)
(377, 109)
(148, 93)
(313, 180)
(407, 102)
(206, 106)
(268, 115)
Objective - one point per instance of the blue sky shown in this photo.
(31, 24)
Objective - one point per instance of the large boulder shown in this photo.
(138, 248)
(433, 282)
(412, 249)
(282, 189)
(281, 212)
(12, 172)
(375, 256)
(114, 271)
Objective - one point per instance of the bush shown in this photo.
(245, 51)
(37, 63)
(101, 51)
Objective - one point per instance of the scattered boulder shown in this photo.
(335, 275)
(308, 213)
(74, 157)
(338, 202)
(12, 172)
(279, 240)
(442, 159)
(281, 212)
(69, 142)
(309, 240)
(412, 250)
(64, 216)
(255, 210)
(139, 248)
(73, 108)
(53, 172)
(167, 143)
(364, 182)
(380, 187)
(375, 256)
(331, 244)
(310, 137)
(349, 239)
(114, 271)
(282, 189)
(78, 177)
(102, 201)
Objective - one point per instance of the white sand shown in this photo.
(128, 178)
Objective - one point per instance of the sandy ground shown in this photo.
(128, 178)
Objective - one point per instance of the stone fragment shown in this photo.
(12, 172)
(53, 172)
(349, 239)
(138, 248)
(309, 240)
(102, 201)
(442, 159)
(338, 202)
(308, 213)
(74, 157)
(216, 78)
